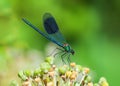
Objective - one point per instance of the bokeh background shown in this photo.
(91, 27)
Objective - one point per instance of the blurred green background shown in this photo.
(91, 27)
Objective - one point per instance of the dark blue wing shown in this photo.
(52, 29)
(50, 24)
(39, 31)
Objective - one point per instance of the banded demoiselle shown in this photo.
(53, 34)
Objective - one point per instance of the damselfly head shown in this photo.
(72, 51)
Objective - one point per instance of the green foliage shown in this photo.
(91, 28)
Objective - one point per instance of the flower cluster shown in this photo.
(50, 75)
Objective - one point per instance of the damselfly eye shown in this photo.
(72, 51)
